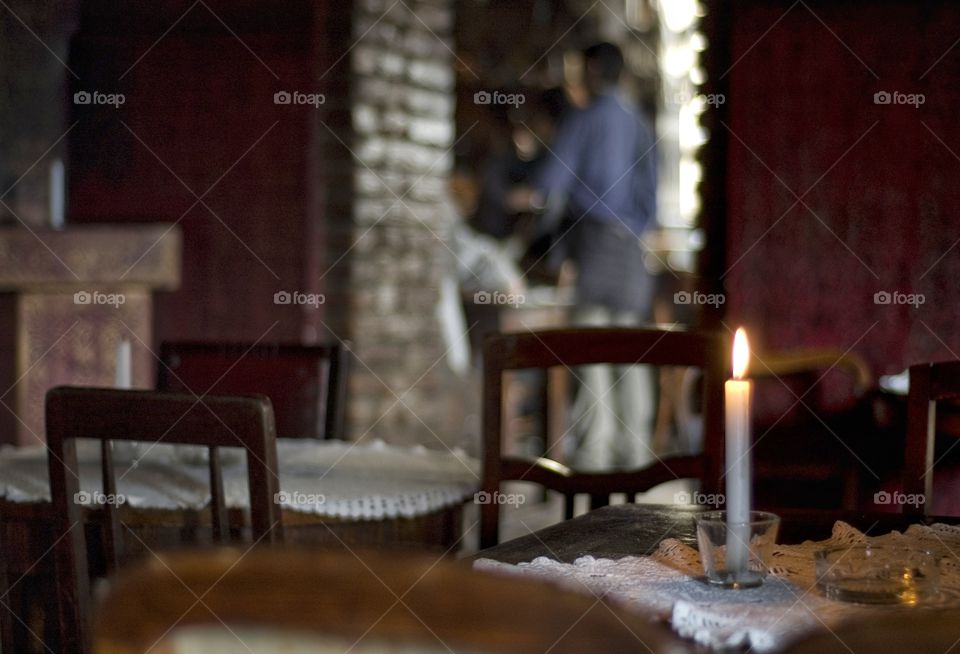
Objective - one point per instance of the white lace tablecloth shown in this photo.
(372, 481)
(668, 586)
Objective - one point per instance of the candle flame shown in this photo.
(741, 354)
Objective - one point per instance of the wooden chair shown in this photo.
(108, 415)
(305, 383)
(810, 363)
(798, 457)
(399, 601)
(576, 347)
(930, 383)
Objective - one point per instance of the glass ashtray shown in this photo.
(878, 574)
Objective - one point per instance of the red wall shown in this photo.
(202, 103)
(800, 107)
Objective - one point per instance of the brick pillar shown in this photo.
(402, 91)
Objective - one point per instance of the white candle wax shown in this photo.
(738, 470)
(123, 372)
(57, 194)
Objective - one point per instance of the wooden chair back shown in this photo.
(108, 415)
(812, 455)
(305, 383)
(930, 383)
(812, 364)
(576, 347)
(372, 600)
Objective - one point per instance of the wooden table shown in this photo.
(329, 601)
(636, 530)
(28, 528)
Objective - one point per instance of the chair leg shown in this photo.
(599, 501)
(568, 506)
(851, 490)
(489, 524)
(6, 619)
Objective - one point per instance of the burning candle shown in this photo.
(738, 392)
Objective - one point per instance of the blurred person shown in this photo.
(602, 161)
(479, 277)
(531, 127)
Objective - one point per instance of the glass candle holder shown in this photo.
(755, 539)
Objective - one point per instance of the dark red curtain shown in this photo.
(879, 183)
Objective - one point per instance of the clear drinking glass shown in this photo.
(754, 540)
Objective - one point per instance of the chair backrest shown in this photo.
(929, 383)
(813, 413)
(108, 415)
(575, 347)
(374, 601)
(305, 383)
(812, 363)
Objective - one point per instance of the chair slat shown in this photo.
(112, 542)
(218, 506)
(930, 383)
(574, 347)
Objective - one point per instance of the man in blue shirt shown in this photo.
(602, 164)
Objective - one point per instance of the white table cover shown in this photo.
(372, 481)
(667, 586)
